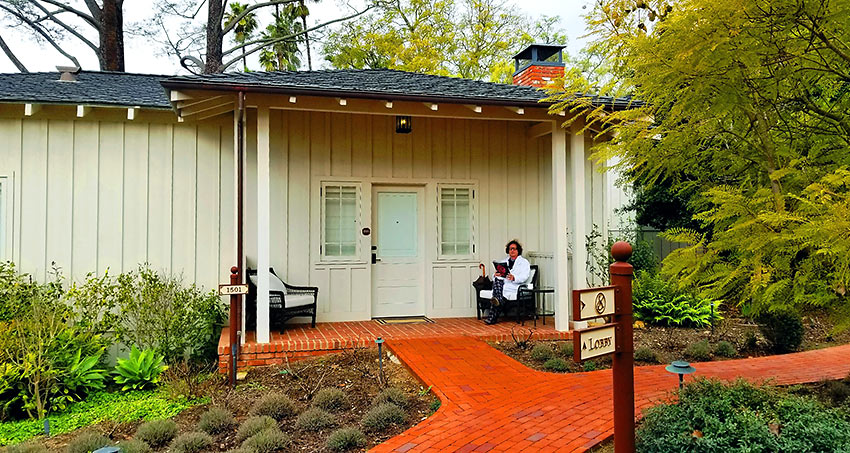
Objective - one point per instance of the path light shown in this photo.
(46, 426)
(681, 368)
(108, 450)
(380, 342)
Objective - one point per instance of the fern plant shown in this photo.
(657, 302)
(142, 369)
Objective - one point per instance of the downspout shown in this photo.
(236, 302)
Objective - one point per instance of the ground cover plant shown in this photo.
(715, 416)
(99, 407)
(227, 417)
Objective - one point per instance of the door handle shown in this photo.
(375, 258)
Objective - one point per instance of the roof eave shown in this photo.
(292, 90)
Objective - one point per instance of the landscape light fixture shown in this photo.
(108, 450)
(681, 368)
(403, 125)
(380, 341)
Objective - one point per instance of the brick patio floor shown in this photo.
(491, 402)
(300, 340)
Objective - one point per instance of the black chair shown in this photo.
(524, 303)
(285, 301)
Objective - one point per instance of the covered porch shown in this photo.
(319, 172)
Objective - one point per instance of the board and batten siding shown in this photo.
(511, 176)
(95, 195)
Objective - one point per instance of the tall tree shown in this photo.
(751, 100)
(468, 38)
(53, 21)
(244, 26)
(200, 44)
(283, 55)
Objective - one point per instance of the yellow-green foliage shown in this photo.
(744, 104)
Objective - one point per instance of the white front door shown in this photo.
(397, 246)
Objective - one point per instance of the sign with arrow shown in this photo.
(593, 303)
(594, 342)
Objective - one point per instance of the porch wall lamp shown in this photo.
(403, 125)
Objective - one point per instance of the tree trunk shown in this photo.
(112, 36)
(215, 38)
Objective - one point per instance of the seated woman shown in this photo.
(505, 287)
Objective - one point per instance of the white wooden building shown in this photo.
(110, 170)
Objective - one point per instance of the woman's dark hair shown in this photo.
(516, 243)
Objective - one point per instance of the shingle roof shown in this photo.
(146, 90)
(93, 88)
(376, 83)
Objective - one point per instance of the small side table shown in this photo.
(540, 308)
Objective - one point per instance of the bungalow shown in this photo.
(383, 188)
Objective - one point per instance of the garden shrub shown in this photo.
(656, 301)
(157, 433)
(542, 352)
(27, 447)
(782, 330)
(276, 405)
(646, 354)
(134, 446)
(751, 341)
(253, 425)
(142, 369)
(738, 417)
(192, 442)
(383, 416)
(18, 290)
(699, 351)
(87, 442)
(48, 362)
(391, 395)
(267, 441)
(725, 349)
(346, 439)
(556, 364)
(590, 365)
(837, 391)
(162, 314)
(315, 419)
(330, 399)
(216, 420)
(566, 349)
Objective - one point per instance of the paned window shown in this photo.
(456, 221)
(341, 220)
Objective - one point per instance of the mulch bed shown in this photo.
(670, 343)
(355, 372)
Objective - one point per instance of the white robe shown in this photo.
(520, 271)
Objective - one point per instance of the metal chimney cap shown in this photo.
(68, 73)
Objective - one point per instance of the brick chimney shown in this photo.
(539, 64)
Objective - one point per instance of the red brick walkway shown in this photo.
(492, 402)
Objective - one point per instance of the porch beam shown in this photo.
(203, 103)
(578, 163)
(560, 227)
(539, 130)
(379, 107)
(263, 225)
(224, 108)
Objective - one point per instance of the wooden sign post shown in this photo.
(235, 290)
(613, 338)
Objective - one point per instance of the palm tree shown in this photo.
(283, 54)
(244, 28)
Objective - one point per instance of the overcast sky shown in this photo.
(142, 56)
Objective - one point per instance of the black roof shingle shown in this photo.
(95, 88)
(148, 90)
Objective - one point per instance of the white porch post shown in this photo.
(559, 216)
(578, 275)
(263, 223)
